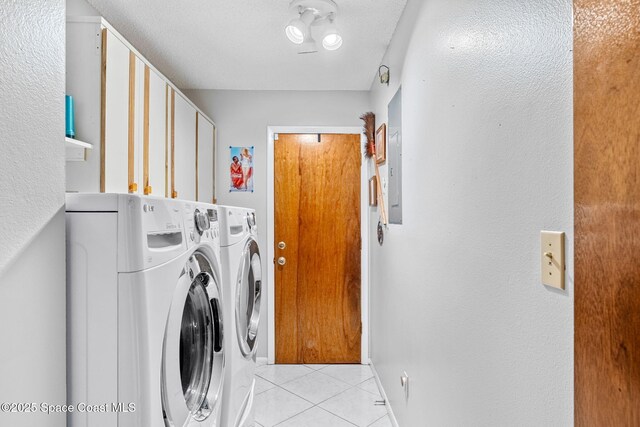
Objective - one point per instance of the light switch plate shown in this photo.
(552, 258)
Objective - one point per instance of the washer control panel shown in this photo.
(201, 223)
(201, 220)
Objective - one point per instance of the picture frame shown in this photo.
(373, 191)
(241, 169)
(381, 144)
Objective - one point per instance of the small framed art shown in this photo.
(381, 144)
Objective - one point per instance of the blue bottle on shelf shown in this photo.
(70, 124)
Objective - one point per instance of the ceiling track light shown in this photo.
(318, 14)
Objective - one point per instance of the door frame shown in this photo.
(364, 234)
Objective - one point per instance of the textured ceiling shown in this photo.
(240, 44)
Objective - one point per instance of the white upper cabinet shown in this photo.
(184, 148)
(154, 136)
(143, 130)
(118, 62)
(206, 160)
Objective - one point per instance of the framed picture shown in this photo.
(373, 191)
(241, 169)
(381, 144)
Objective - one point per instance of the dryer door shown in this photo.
(248, 296)
(193, 358)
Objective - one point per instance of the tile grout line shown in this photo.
(351, 387)
(270, 382)
(385, 415)
(322, 409)
(316, 405)
(303, 375)
(319, 403)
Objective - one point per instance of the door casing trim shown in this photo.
(364, 235)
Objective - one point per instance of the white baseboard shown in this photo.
(392, 416)
(261, 361)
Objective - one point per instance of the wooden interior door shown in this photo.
(317, 217)
(607, 212)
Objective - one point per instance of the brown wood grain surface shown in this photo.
(132, 122)
(607, 212)
(317, 215)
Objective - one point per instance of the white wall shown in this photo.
(487, 163)
(242, 118)
(32, 266)
(80, 8)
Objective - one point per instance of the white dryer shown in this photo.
(145, 319)
(242, 274)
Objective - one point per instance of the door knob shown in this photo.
(282, 261)
(282, 245)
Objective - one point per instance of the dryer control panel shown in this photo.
(201, 223)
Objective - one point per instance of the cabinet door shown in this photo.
(154, 135)
(205, 158)
(118, 115)
(169, 178)
(184, 149)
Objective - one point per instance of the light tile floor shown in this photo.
(317, 396)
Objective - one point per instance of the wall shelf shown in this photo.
(75, 143)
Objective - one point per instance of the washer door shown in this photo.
(193, 357)
(248, 295)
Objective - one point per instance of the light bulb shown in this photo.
(331, 39)
(294, 34)
(298, 28)
(332, 42)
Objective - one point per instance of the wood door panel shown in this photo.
(607, 212)
(317, 199)
(287, 176)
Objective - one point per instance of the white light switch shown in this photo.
(552, 258)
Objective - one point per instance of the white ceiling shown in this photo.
(240, 44)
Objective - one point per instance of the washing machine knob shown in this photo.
(201, 219)
(251, 220)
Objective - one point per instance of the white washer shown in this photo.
(145, 319)
(242, 287)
